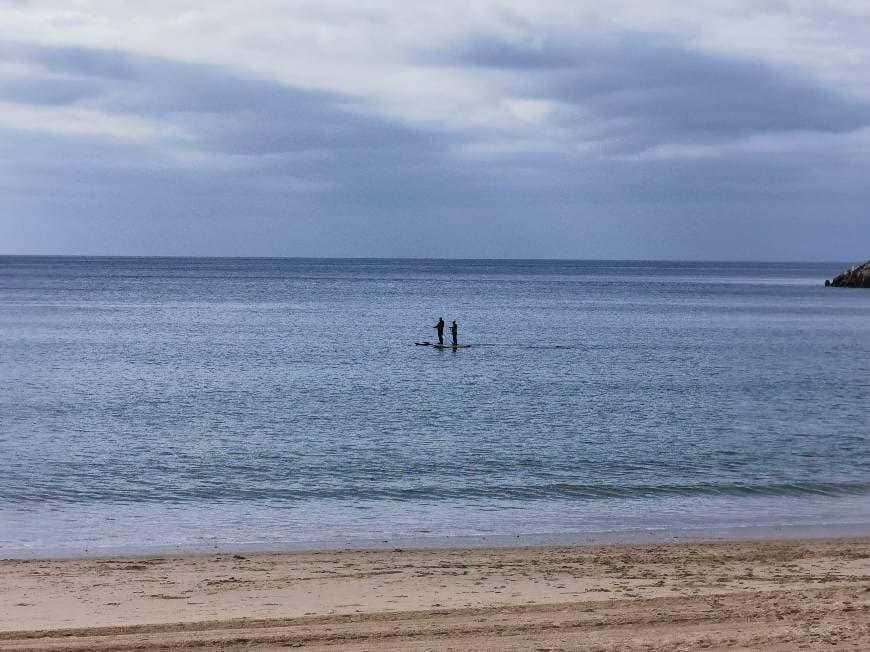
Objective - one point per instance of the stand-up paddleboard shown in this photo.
(451, 346)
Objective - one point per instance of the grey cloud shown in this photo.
(48, 83)
(110, 65)
(283, 141)
(317, 173)
(221, 112)
(224, 112)
(488, 52)
(666, 91)
(46, 91)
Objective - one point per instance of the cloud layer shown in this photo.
(540, 130)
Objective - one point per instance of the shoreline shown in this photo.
(771, 594)
(645, 536)
(168, 529)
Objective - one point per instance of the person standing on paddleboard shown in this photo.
(454, 332)
(440, 328)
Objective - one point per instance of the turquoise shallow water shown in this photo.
(154, 403)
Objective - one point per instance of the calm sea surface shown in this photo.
(193, 403)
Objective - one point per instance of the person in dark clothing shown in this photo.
(454, 331)
(440, 328)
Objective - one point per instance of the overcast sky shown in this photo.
(524, 129)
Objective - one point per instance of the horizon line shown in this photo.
(431, 258)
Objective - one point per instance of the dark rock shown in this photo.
(855, 277)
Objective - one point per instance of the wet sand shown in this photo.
(765, 595)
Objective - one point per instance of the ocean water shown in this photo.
(153, 404)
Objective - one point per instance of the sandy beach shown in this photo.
(770, 595)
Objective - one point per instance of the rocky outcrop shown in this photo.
(855, 277)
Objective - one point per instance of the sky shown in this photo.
(706, 130)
